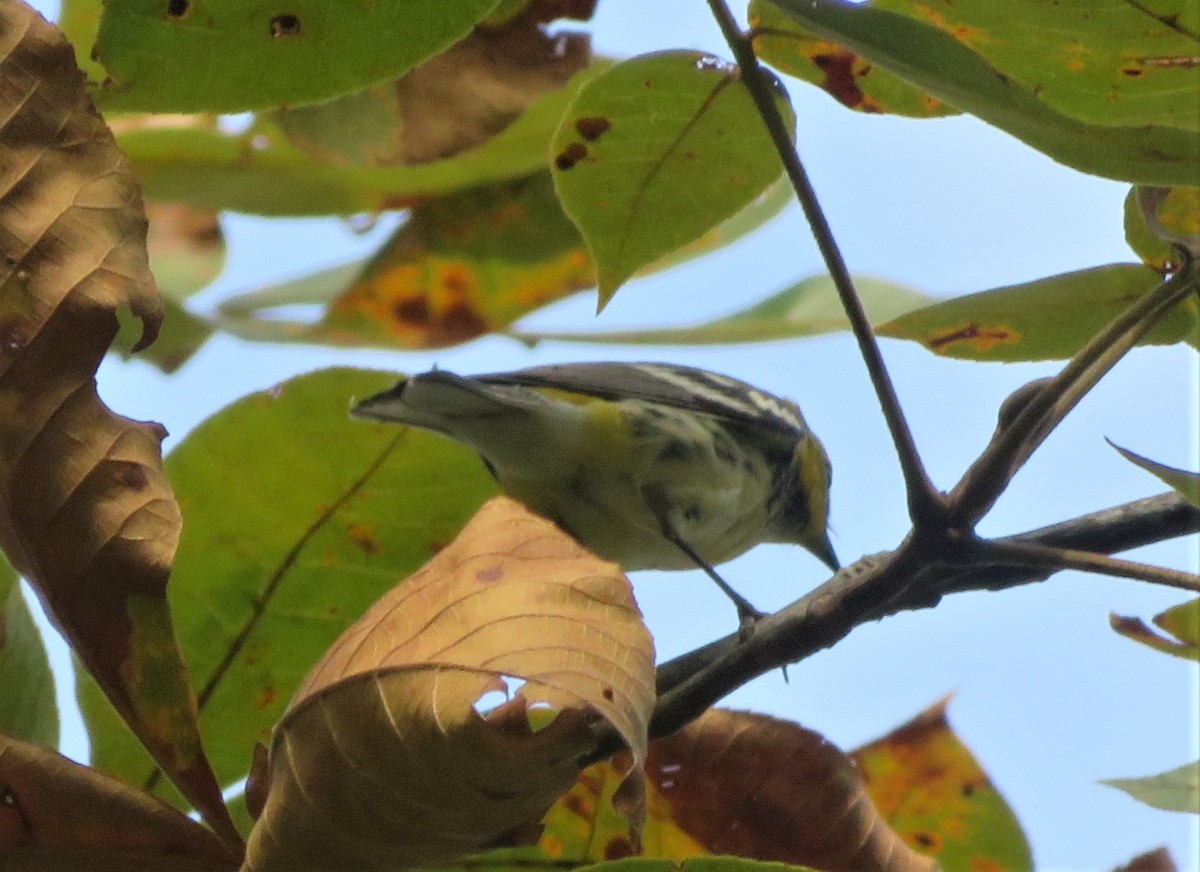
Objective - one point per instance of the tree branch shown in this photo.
(925, 502)
(882, 585)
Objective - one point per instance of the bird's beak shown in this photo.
(823, 549)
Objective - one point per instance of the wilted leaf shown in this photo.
(296, 520)
(1176, 790)
(55, 814)
(88, 514)
(258, 171)
(1186, 484)
(28, 709)
(454, 101)
(937, 52)
(1181, 622)
(656, 151)
(808, 308)
(1158, 860)
(1047, 319)
(851, 80)
(740, 784)
(182, 334)
(234, 55)
(929, 787)
(382, 760)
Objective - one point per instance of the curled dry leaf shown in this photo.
(383, 760)
(86, 511)
(53, 811)
(454, 101)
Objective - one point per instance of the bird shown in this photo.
(650, 465)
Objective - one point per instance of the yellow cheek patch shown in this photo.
(813, 464)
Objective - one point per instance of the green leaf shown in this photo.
(851, 80)
(808, 308)
(295, 520)
(1176, 790)
(462, 265)
(935, 60)
(656, 151)
(1181, 624)
(1048, 319)
(238, 55)
(1186, 484)
(28, 709)
(259, 172)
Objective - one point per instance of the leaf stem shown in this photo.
(926, 505)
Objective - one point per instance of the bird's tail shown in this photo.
(444, 402)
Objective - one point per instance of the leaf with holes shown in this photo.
(389, 713)
(655, 152)
(56, 814)
(296, 520)
(88, 514)
(237, 55)
(1047, 319)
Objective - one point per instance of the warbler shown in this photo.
(651, 465)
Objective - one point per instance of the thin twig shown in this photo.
(1036, 556)
(926, 505)
(1013, 444)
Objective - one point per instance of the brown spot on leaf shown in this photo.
(412, 310)
(571, 155)
(927, 841)
(617, 848)
(490, 574)
(178, 8)
(1132, 72)
(285, 25)
(266, 697)
(840, 83)
(363, 535)
(460, 323)
(592, 128)
(980, 337)
(607, 693)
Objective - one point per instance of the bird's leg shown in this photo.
(748, 615)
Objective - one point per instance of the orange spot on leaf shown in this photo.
(363, 535)
(979, 337)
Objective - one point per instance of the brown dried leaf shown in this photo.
(454, 101)
(86, 511)
(53, 811)
(382, 760)
(1158, 860)
(754, 786)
